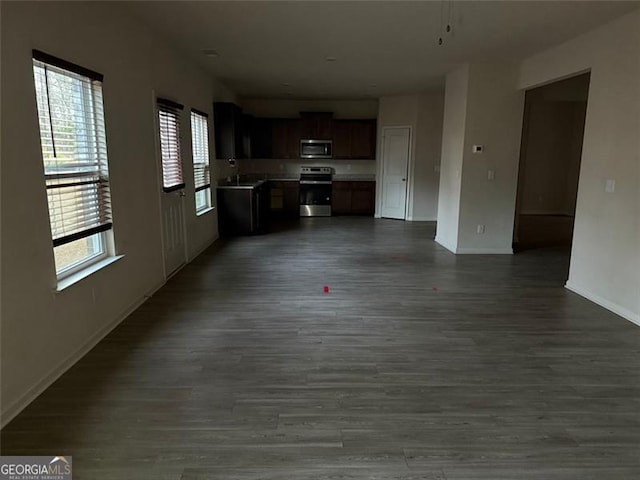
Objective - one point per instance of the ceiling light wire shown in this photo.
(440, 41)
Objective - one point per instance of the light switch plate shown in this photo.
(609, 185)
(436, 168)
(491, 174)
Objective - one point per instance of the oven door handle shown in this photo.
(315, 182)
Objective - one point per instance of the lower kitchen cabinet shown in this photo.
(353, 198)
(243, 210)
(285, 198)
(341, 198)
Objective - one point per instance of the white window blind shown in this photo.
(169, 120)
(74, 150)
(200, 149)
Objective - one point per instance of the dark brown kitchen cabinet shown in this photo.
(228, 129)
(285, 198)
(315, 125)
(354, 139)
(341, 198)
(341, 139)
(363, 198)
(261, 138)
(285, 134)
(363, 139)
(247, 143)
(353, 198)
(279, 138)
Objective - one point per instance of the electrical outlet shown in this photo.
(480, 229)
(436, 168)
(491, 174)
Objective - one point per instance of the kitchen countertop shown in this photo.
(355, 178)
(246, 185)
(252, 180)
(284, 179)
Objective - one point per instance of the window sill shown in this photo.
(199, 213)
(85, 272)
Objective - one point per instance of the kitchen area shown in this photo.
(301, 164)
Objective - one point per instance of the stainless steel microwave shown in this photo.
(316, 149)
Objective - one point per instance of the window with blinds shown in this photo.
(74, 153)
(200, 149)
(169, 122)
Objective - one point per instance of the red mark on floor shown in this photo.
(326, 289)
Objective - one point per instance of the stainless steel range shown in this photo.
(315, 191)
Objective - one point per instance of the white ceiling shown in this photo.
(381, 47)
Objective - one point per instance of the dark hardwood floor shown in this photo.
(417, 364)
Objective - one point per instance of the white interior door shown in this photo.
(174, 241)
(395, 163)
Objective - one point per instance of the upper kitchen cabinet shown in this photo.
(315, 125)
(354, 139)
(341, 133)
(229, 133)
(262, 138)
(285, 135)
(363, 139)
(247, 141)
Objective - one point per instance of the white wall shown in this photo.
(423, 113)
(44, 332)
(494, 119)
(482, 107)
(426, 172)
(605, 258)
(453, 133)
(275, 108)
(222, 93)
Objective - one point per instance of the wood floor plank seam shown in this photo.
(417, 364)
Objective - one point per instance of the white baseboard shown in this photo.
(202, 248)
(445, 244)
(603, 302)
(545, 213)
(473, 251)
(11, 411)
(485, 251)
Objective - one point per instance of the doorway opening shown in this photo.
(550, 154)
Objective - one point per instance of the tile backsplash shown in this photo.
(290, 167)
